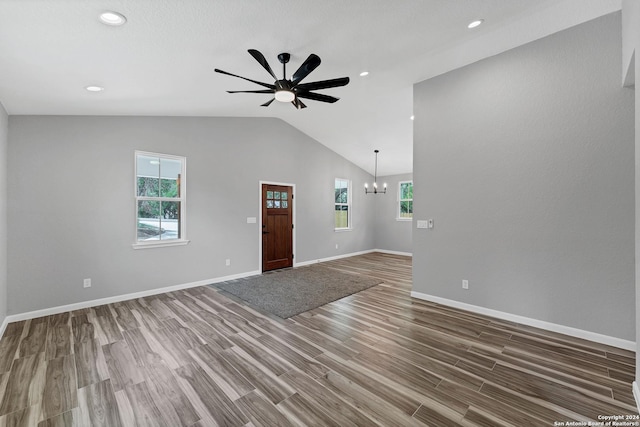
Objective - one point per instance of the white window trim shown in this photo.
(398, 200)
(183, 203)
(349, 204)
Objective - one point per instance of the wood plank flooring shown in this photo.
(201, 358)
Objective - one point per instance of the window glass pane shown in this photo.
(276, 204)
(148, 170)
(276, 195)
(283, 196)
(341, 203)
(342, 195)
(159, 177)
(169, 188)
(406, 209)
(285, 204)
(170, 171)
(269, 194)
(340, 187)
(149, 220)
(170, 220)
(269, 203)
(147, 186)
(404, 191)
(342, 216)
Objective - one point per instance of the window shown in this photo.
(405, 200)
(160, 200)
(343, 203)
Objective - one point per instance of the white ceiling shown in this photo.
(161, 62)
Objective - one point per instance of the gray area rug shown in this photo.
(286, 293)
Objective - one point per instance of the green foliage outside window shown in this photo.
(406, 200)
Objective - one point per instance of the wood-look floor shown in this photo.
(201, 358)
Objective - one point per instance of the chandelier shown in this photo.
(375, 180)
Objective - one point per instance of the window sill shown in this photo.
(404, 219)
(160, 244)
(340, 230)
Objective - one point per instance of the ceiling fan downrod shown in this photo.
(284, 57)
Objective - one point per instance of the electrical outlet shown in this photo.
(465, 284)
(227, 262)
(86, 283)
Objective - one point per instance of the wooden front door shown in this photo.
(277, 227)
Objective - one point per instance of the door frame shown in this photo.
(259, 219)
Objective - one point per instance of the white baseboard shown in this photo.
(109, 300)
(385, 251)
(118, 298)
(553, 327)
(332, 258)
(636, 394)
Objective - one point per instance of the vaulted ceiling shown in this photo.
(161, 61)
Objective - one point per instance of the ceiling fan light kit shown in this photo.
(284, 96)
(291, 90)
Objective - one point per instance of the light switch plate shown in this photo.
(422, 224)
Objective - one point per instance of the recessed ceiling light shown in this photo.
(112, 18)
(475, 23)
(364, 73)
(94, 88)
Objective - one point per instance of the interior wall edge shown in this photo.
(386, 251)
(541, 324)
(331, 258)
(5, 322)
(124, 297)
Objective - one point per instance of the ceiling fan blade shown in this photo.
(244, 78)
(317, 97)
(324, 84)
(261, 59)
(266, 104)
(310, 64)
(250, 91)
(298, 104)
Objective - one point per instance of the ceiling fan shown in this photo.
(291, 90)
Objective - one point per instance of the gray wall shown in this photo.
(71, 202)
(3, 212)
(526, 163)
(391, 234)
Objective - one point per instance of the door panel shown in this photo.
(277, 227)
